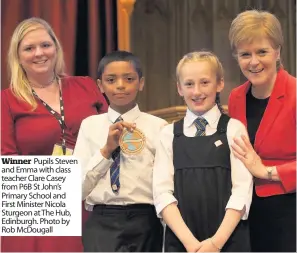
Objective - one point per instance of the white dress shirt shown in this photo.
(135, 170)
(163, 184)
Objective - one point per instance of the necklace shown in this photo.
(45, 85)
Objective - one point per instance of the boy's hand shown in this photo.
(115, 131)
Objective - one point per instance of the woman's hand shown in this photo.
(244, 151)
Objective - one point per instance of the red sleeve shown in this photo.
(287, 175)
(287, 171)
(231, 106)
(98, 95)
(8, 143)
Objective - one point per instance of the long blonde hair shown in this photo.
(252, 24)
(19, 82)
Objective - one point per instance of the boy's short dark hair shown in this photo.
(119, 56)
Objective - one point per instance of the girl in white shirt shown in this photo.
(202, 192)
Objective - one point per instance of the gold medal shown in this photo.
(132, 143)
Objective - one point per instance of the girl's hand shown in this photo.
(194, 246)
(208, 246)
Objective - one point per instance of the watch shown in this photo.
(269, 172)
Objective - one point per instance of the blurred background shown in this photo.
(160, 32)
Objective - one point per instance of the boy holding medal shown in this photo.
(117, 151)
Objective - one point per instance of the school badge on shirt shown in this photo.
(132, 143)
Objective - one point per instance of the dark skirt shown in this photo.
(273, 223)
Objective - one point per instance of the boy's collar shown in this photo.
(129, 116)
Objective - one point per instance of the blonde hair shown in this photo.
(252, 24)
(209, 57)
(19, 82)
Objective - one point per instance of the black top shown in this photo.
(255, 109)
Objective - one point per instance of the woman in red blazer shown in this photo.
(266, 104)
